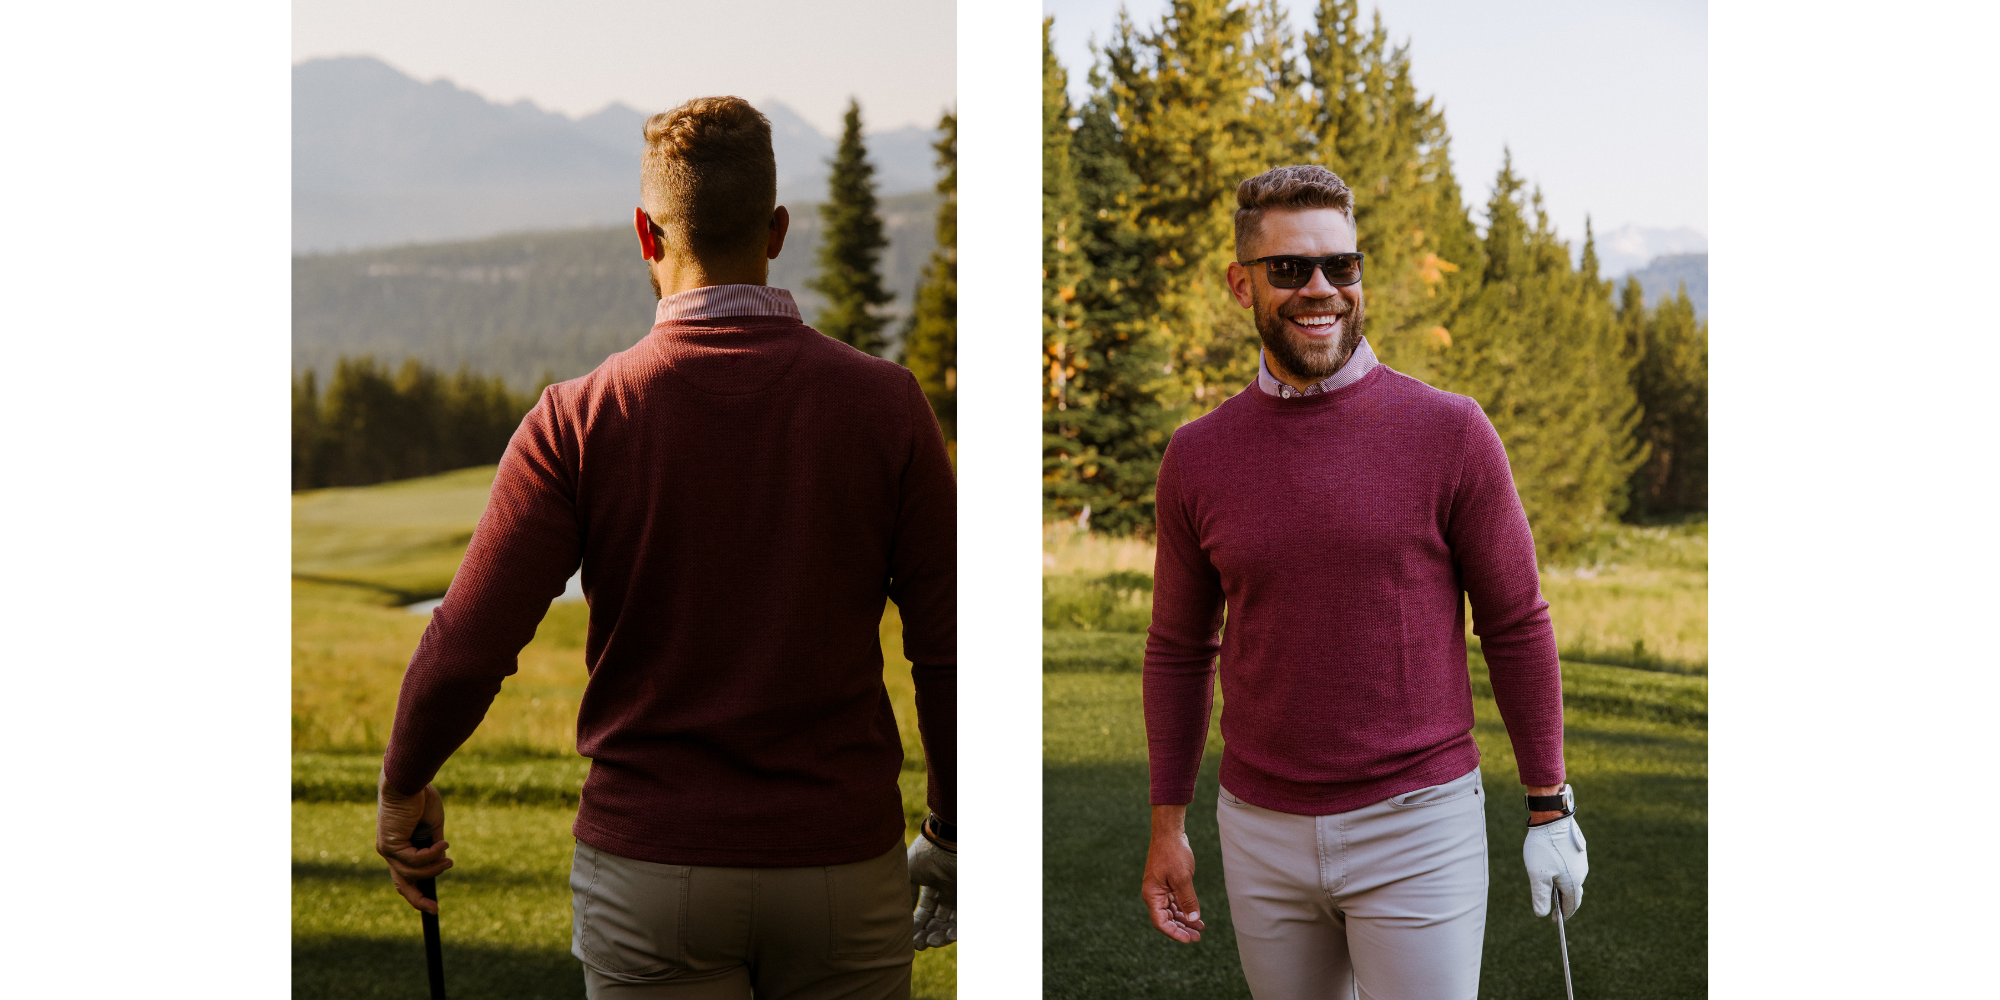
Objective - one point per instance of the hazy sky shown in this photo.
(1605, 105)
(897, 56)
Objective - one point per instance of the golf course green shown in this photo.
(359, 555)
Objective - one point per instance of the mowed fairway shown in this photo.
(1636, 747)
(510, 794)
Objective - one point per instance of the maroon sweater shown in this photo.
(742, 495)
(1340, 529)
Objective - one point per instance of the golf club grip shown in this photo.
(433, 944)
(421, 839)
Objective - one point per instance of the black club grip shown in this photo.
(433, 945)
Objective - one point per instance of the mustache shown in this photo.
(1333, 305)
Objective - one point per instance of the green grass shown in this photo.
(395, 543)
(1636, 747)
(510, 793)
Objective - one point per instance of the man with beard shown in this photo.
(1337, 510)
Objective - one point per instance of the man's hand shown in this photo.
(934, 874)
(1555, 857)
(1168, 888)
(396, 818)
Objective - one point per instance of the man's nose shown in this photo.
(1317, 287)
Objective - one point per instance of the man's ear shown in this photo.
(1239, 283)
(781, 222)
(648, 244)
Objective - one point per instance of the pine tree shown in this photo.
(1541, 350)
(850, 247)
(1671, 381)
(1192, 129)
(1394, 152)
(1104, 427)
(1066, 462)
(930, 338)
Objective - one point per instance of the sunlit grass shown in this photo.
(510, 792)
(1632, 596)
(1067, 550)
(396, 542)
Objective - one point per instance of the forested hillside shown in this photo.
(525, 305)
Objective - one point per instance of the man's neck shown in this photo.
(675, 276)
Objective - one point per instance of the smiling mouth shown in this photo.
(1317, 324)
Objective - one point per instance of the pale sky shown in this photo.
(1605, 105)
(897, 56)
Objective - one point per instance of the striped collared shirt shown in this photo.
(1358, 365)
(718, 301)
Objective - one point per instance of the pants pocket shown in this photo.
(1450, 791)
(630, 916)
(868, 906)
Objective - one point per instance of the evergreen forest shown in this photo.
(372, 424)
(1602, 401)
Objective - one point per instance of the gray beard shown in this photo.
(1310, 362)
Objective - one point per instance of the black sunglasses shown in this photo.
(1293, 271)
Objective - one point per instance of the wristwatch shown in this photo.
(937, 831)
(1564, 800)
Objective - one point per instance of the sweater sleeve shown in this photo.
(1181, 645)
(923, 581)
(523, 551)
(1490, 540)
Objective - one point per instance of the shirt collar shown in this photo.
(719, 301)
(1358, 365)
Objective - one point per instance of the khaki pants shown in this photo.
(645, 930)
(1386, 902)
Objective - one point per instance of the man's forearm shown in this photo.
(1170, 821)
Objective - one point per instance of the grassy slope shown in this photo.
(1636, 748)
(510, 794)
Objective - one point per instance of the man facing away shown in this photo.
(741, 493)
(1338, 509)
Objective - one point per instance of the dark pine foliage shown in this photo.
(850, 248)
(930, 338)
(371, 425)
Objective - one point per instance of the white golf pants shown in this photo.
(1384, 902)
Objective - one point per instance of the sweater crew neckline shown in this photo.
(1316, 400)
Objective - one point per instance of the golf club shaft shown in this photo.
(1562, 935)
(433, 945)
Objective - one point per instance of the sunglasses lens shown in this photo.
(1297, 271)
(1288, 272)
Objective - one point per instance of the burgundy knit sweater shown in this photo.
(1339, 530)
(742, 494)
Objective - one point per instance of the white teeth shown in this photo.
(1316, 320)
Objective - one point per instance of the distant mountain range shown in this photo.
(381, 159)
(1662, 259)
(1631, 247)
(1665, 275)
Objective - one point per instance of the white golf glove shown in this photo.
(934, 871)
(1555, 856)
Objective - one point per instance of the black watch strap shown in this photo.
(938, 831)
(1545, 803)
